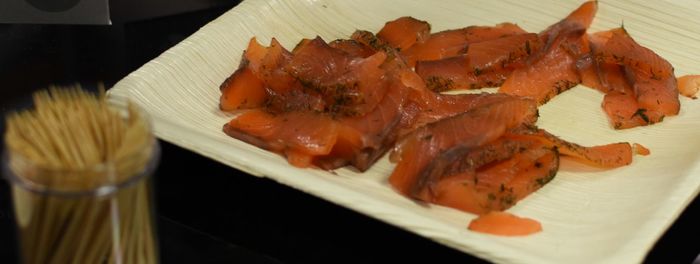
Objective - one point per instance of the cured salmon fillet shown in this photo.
(553, 68)
(486, 64)
(404, 32)
(242, 90)
(293, 133)
(640, 86)
(493, 177)
(474, 128)
(440, 106)
(605, 156)
(352, 48)
(546, 78)
(455, 42)
(412, 38)
(347, 85)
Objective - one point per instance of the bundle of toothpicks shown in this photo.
(79, 192)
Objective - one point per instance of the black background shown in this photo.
(208, 212)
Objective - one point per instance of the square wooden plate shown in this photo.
(588, 215)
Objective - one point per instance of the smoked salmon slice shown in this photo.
(640, 86)
(352, 48)
(553, 69)
(476, 127)
(375, 132)
(301, 134)
(455, 42)
(605, 156)
(619, 48)
(434, 107)
(500, 185)
(404, 32)
(546, 78)
(242, 90)
(486, 64)
(347, 85)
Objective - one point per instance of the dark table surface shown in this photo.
(208, 212)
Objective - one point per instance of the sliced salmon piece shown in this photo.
(619, 103)
(657, 98)
(440, 106)
(651, 76)
(613, 80)
(502, 52)
(499, 185)
(487, 64)
(641, 87)
(282, 89)
(475, 127)
(621, 49)
(688, 85)
(425, 106)
(461, 159)
(623, 110)
(546, 78)
(454, 42)
(588, 71)
(369, 136)
(370, 40)
(403, 32)
(296, 133)
(553, 68)
(605, 156)
(504, 224)
(575, 23)
(352, 48)
(348, 85)
(317, 77)
(254, 55)
(599, 75)
(316, 62)
(242, 90)
(272, 71)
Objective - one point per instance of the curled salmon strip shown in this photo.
(640, 86)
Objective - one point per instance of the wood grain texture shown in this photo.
(588, 215)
